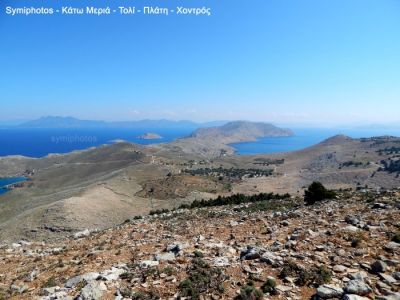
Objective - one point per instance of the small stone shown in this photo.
(328, 291)
(379, 205)
(397, 275)
(250, 253)
(77, 279)
(358, 275)
(221, 262)
(387, 278)
(165, 256)
(93, 290)
(391, 246)
(283, 288)
(339, 269)
(351, 228)
(285, 223)
(82, 234)
(354, 297)
(112, 274)
(351, 220)
(149, 263)
(175, 248)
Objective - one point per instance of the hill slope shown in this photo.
(294, 251)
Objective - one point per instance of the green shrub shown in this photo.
(396, 237)
(50, 282)
(235, 199)
(202, 278)
(317, 192)
(168, 270)
(269, 286)
(198, 253)
(145, 296)
(250, 292)
(158, 211)
(356, 242)
(317, 275)
(322, 275)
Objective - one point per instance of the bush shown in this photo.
(50, 282)
(145, 296)
(312, 276)
(269, 286)
(159, 211)
(396, 237)
(169, 270)
(250, 292)
(235, 199)
(202, 278)
(322, 275)
(198, 253)
(317, 192)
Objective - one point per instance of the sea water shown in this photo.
(303, 138)
(41, 142)
(4, 182)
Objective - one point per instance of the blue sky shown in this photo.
(300, 62)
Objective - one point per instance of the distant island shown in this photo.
(240, 131)
(70, 122)
(150, 136)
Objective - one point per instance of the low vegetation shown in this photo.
(269, 286)
(202, 278)
(235, 200)
(250, 292)
(350, 163)
(232, 173)
(389, 150)
(310, 276)
(391, 166)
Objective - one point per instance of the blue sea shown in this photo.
(41, 142)
(6, 181)
(303, 138)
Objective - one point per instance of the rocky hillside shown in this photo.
(347, 248)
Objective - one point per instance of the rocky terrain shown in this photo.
(345, 248)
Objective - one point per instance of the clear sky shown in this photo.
(285, 61)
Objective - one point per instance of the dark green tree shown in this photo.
(317, 192)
